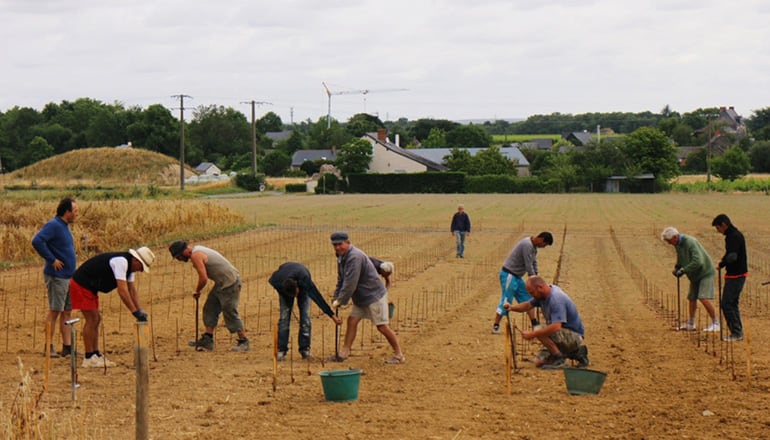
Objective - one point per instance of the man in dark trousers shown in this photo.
(292, 280)
(460, 227)
(736, 270)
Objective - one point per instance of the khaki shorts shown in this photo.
(701, 289)
(376, 312)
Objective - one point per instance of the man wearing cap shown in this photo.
(222, 298)
(357, 279)
(104, 273)
(292, 280)
(522, 260)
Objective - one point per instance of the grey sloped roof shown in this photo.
(438, 154)
(582, 137)
(429, 163)
(301, 156)
(203, 166)
(278, 135)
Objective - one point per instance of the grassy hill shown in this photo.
(106, 165)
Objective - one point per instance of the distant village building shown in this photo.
(208, 169)
(301, 156)
(388, 157)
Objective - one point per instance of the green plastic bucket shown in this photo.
(584, 381)
(340, 385)
(391, 310)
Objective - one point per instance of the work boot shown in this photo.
(281, 356)
(582, 357)
(305, 354)
(242, 345)
(206, 342)
(555, 362)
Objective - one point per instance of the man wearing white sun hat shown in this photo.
(104, 273)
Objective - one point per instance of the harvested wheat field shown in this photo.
(607, 256)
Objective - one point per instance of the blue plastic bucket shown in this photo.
(584, 381)
(340, 385)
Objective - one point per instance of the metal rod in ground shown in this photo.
(73, 358)
(678, 304)
(142, 362)
(47, 353)
(275, 355)
(104, 348)
(721, 322)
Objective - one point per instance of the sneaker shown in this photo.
(557, 362)
(205, 342)
(496, 329)
(97, 361)
(66, 350)
(396, 360)
(687, 327)
(714, 327)
(733, 338)
(52, 353)
(242, 345)
(281, 356)
(305, 354)
(581, 356)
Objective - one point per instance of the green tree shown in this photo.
(561, 171)
(354, 157)
(322, 138)
(269, 122)
(759, 153)
(295, 142)
(37, 150)
(436, 139)
(731, 165)
(362, 123)
(695, 162)
(651, 151)
(491, 161)
(459, 159)
(275, 163)
(155, 129)
(759, 119)
(682, 135)
(468, 136)
(219, 131)
(421, 128)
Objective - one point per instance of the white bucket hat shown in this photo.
(145, 256)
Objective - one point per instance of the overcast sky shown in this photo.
(451, 59)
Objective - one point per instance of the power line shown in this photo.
(254, 132)
(181, 97)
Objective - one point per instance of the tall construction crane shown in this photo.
(364, 92)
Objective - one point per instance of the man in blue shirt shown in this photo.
(55, 245)
(562, 335)
(460, 227)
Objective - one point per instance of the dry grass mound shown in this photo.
(101, 165)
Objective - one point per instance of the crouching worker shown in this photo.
(562, 334)
(293, 280)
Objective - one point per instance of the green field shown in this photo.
(506, 138)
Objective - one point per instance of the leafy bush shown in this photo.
(296, 187)
(249, 181)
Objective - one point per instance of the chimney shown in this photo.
(731, 108)
(381, 132)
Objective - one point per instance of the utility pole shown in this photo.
(181, 138)
(254, 132)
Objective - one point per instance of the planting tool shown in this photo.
(678, 304)
(197, 316)
(73, 357)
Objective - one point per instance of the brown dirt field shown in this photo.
(607, 256)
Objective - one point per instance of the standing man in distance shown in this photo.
(692, 260)
(521, 260)
(460, 227)
(357, 280)
(292, 280)
(103, 273)
(55, 245)
(222, 298)
(737, 269)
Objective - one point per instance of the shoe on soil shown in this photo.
(305, 354)
(97, 361)
(687, 327)
(66, 350)
(52, 353)
(241, 346)
(582, 357)
(496, 329)
(396, 360)
(205, 342)
(281, 356)
(555, 362)
(336, 358)
(733, 338)
(714, 327)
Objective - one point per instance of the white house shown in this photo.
(208, 169)
(390, 158)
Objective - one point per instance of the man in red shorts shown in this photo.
(104, 273)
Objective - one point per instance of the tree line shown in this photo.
(223, 135)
